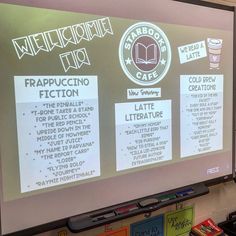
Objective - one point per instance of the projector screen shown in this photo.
(123, 100)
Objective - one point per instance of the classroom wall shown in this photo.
(217, 205)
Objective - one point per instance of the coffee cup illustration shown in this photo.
(214, 49)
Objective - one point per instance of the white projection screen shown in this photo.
(105, 102)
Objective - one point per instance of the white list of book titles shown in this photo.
(143, 133)
(201, 114)
(58, 131)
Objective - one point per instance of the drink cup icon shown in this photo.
(214, 49)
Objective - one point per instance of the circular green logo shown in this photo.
(145, 53)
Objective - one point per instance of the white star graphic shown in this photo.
(163, 61)
(128, 61)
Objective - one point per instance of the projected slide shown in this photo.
(90, 98)
(99, 98)
(143, 133)
(58, 131)
(201, 113)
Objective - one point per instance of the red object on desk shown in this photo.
(207, 228)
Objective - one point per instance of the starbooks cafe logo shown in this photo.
(145, 53)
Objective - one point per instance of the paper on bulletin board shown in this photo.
(148, 227)
(124, 231)
(179, 222)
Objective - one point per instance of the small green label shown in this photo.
(179, 222)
